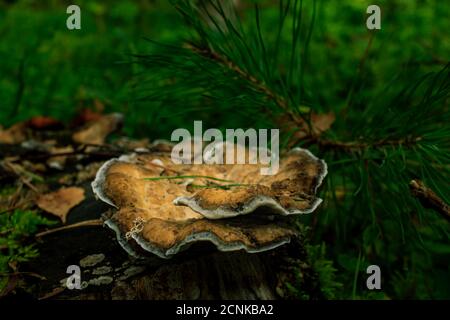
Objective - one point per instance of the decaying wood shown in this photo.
(234, 275)
(201, 272)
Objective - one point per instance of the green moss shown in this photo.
(15, 246)
(314, 278)
(7, 191)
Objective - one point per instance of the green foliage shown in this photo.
(377, 215)
(243, 59)
(388, 90)
(48, 70)
(7, 191)
(312, 275)
(313, 278)
(392, 121)
(329, 286)
(15, 228)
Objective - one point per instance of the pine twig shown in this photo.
(52, 293)
(69, 154)
(257, 84)
(31, 274)
(357, 78)
(283, 105)
(87, 223)
(21, 177)
(10, 209)
(429, 199)
(356, 145)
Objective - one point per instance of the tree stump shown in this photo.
(201, 272)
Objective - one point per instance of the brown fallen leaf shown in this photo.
(59, 161)
(60, 202)
(96, 131)
(319, 124)
(15, 134)
(322, 122)
(22, 131)
(84, 116)
(42, 123)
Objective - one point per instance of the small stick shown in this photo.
(17, 206)
(28, 184)
(53, 293)
(429, 199)
(22, 179)
(10, 209)
(87, 223)
(2, 233)
(31, 274)
(69, 154)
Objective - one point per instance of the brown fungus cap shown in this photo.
(163, 207)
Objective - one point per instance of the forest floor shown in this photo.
(52, 221)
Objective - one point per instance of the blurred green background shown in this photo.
(64, 70)
(48, 70)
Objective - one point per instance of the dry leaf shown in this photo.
(42, 123)
(85, 116)
(22, 131)
(58, 162)
(15, 134)
(60, 202)
(96, 131)
(319, 124)
(322, 122)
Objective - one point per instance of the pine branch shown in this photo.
(294, 119)
(227, 47)
(429, 199)
(356, 145)
(257, 84)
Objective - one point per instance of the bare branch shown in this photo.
(429, 199)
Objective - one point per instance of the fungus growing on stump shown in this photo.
(163, 208)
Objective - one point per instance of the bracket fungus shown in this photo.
(163, 208)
